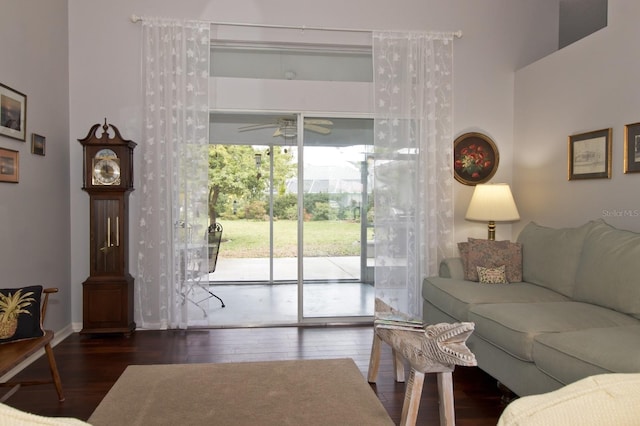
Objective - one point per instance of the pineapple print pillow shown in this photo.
(20, 313)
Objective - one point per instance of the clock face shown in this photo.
(106, 171)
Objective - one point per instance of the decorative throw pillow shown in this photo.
(492, 275)
(20, 313)
(491, 254)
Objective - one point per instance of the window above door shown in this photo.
(291, 61)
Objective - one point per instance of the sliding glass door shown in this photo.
(294, 199)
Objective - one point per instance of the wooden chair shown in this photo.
(13, 353)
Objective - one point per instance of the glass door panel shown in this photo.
(336, 203)
(256, 273)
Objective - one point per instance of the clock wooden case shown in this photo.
(107, 294)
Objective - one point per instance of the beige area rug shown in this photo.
(309, 392)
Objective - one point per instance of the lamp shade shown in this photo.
(492, 202)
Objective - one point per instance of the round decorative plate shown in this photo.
(475, 158)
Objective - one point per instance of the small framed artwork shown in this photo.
(9, 165)
(589, 155)
(475, 158)
(13, 113)
(632, 148)
(38, 144)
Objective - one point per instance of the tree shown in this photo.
(233, 172)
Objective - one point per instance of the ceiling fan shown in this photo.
(287, 127)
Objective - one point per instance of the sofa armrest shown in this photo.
(451, 267)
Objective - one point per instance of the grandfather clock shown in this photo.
(107, 295)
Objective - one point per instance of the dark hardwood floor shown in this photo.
(89, 366)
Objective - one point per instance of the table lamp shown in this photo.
(492, 202)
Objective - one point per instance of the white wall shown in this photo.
(34, 214)
(499, 37)
(589, 85)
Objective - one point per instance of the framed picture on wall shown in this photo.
(632, 148)
(9, 165)
(38, 144)
(13, 113)
(589, 155)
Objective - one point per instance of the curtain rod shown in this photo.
(135, 18)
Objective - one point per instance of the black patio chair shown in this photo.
(214, 235)
(194, 269)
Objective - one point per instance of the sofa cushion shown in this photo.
(513, 326)
(608, 270)
(20, 313)
(572, 355)
(455, 297)
(550, 256)
(491, 254)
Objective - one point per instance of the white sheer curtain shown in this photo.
(173, 177)
(413, 79)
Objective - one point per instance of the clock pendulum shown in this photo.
(107, 294)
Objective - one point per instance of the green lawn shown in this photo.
(246, 238)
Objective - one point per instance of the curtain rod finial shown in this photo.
(135, 18)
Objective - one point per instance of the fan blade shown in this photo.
(317, 129)
(256, 127)
(318, 121)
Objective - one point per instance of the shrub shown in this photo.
(255, 210)
(323, 211)
(291, 213)
(282, 206)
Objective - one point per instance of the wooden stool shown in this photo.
(423, 348)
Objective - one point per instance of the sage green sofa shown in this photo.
(575, 314)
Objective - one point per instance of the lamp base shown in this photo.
(492, 230)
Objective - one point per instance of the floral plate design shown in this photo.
(475, 158)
